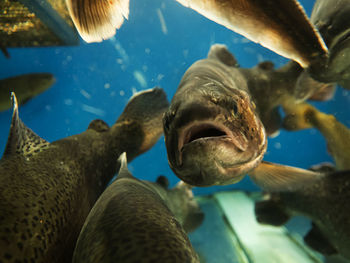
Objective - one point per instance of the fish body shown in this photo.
(48, 189)
(336, 134)
(25, 86)
(281, 26)
(139, 221)
(325, 202)
(331, 18)
(212, 129)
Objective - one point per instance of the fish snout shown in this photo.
(213, 161)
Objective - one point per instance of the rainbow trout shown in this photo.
(212, 130)
(47, 189)
(139, 221)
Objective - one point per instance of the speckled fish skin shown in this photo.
(325, 202)
(48, 189)
(331, 17)
(134, 221)
(213, 98)
(25, 86)
(216, 126)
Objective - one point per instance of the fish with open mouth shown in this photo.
(212, 130)
(47, 189)
(281, 26)
(140, 221)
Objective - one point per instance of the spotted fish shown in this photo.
(25, 86)
(212, 130)
(47, 189)
(281, 26)
(139, 221)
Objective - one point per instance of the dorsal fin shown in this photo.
(98, 125)
(22, 140)
(123, 170)
(221, 53)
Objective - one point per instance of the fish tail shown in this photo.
(96, 20)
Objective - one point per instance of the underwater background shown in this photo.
(154, 47)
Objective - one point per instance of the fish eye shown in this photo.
(234, 108)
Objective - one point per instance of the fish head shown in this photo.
(213, 134)
(41, 82)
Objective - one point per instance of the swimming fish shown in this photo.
(337, 135)
(331, 17)
(47, 189)
(212, 130)
(325, 202)
(25, 86)
(139, 221)
(281, 26)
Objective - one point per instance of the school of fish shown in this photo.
(55, 201)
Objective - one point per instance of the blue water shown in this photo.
(102, 76)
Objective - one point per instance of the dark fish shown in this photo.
(281, 26)
(337, 135)
(5, 51)
(139, 221)
(25, 86)
(212, 130)
(331, 17)
(48, 189)
(325, 202)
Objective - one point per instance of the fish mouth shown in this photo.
(201, 131)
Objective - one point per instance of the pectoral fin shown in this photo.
(275, 177)
(96, 20)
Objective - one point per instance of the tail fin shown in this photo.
(97, 20)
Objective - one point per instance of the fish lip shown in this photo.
(184, 137)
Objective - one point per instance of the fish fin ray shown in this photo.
(221, 53)
(22, 140)
(97, 20)
(317, 241)
(276, 177)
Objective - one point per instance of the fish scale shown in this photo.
(46, 195)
